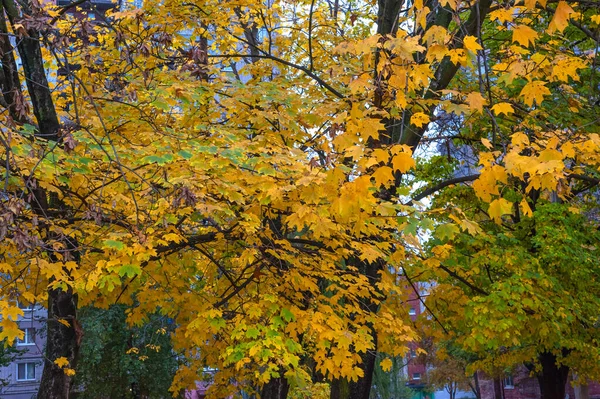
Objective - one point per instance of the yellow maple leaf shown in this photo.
(561, 17)
(403, 162)
(381, 155)
(10, 330)
(450, 3)
(486, 143)
(502, 15)
(64, 322)
(13, 312)
(386, 364)
(475, 101)
(419, 119)
(69, 372)
(61, 362)
(526, 209)
(471, 44)
(458, 56)
(435, 34)
(436, 52)
(519, 139)
(530, 4)
(502, 108)
(498, 208)
(524, 35)
(383, 175)
(534, 91)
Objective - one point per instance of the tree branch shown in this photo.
(439, 186)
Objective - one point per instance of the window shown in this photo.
(416, 376)
(26, 372)
(412, 311)
(508, 382)
(25, 306)
(28, 338)
(413, 353)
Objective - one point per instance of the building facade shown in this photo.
(22, 376)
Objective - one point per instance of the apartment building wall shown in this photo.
(24, 373)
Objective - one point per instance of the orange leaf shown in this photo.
(524, 35)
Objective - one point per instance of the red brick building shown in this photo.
(520, 385)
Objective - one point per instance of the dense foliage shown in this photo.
(119, 361)
(246, 169)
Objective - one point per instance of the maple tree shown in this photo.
(243, 168)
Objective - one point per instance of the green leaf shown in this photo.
(253, 333)
(113, 244)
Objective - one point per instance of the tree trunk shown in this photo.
(553, 378)
(361, 389)
(582, 391)
(476, 389)
(498, 391)
(36, 81)
(277, 388)
(62, 341)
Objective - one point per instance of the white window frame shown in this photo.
(508, 382)
(416, 376)
(28, 338)
(26, 366)
(412, 312)
(23, 307)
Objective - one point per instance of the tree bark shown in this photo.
(11, 85)
(276, 388)
(498, 391)
(361, 389)
(62, 341)
(37, 83)
(582, 391)
(553, 378)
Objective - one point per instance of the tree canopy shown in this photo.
(253, 171)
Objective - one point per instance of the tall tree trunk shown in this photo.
(62, 341)
(476, 388)
(582, 391)
(276, 388)
(498, 391)
(553, 378)
(62, 328)
(361, 389)
(11, 85)
(35, 74)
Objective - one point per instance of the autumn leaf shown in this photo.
(534, 92)
(503, 108)
(471, 44)
(476, 101)
(386, 364)
(64, 322)
(560, 20)
(383, 176)
(10, 330)
(403, 162)
(61, 362)
(419, 119)
(69, 372)
(524, 35)
(498, 208)
(486, 143)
